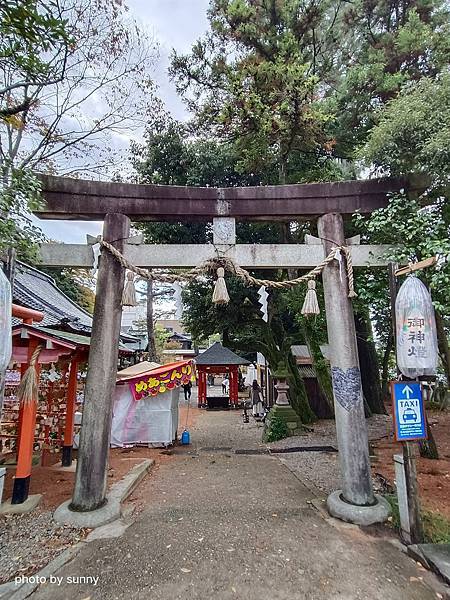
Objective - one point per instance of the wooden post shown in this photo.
(415, 533)
(66, 459)
(45, 453)
(236, 386)
(203, 393)
(26, 442)
(92, 465)
(199, 389)
(23, 368)
(351, 428)
(233, 397)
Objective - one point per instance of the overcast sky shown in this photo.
(174, 24)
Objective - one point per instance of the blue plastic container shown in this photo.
(185, 438)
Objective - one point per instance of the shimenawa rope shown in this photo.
(223, 263)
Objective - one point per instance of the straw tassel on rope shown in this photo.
(129, 291)
(350, 277)
(311, 305)
(220, 294)
(27, 390)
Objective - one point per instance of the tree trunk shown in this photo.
(275, 352)
(428, 448)
(151, 345)
(320, 365)
(297, 392)
(444, 349)
(368, 363)
(385, 368)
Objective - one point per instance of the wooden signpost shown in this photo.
(410, 423)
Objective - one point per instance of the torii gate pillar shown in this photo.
(356, 501)
(92, 465)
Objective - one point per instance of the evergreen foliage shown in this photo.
(276, 429)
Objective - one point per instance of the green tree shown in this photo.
(97, 51)
(55, 57)
(17, 230)
(385, 45)
(412, 132)
(33, 36)
(257, 78)
(209, 162)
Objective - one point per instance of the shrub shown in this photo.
(276, 429)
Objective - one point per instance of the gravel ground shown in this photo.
(29, 542)
(321, 469)
(324, 433)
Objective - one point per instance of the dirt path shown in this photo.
(236, 526)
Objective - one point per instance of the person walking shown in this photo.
(257, 401)
(225, 385)
(187, 388)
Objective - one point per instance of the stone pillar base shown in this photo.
(289, 416)
(359, 515)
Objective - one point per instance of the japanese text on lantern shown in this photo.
(416, 337)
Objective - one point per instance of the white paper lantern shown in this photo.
(5, 331)
(5, 322)
(417, 349)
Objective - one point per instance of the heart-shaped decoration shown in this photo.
(347, 386)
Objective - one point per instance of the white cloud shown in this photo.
(175, 24)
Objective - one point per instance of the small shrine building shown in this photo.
(217, 360)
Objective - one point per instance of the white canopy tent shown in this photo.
(146, 406)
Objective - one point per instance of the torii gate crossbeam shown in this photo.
(77, 199)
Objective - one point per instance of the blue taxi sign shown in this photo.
(408, 411)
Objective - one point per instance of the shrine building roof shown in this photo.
(220, 356)
(37, 290)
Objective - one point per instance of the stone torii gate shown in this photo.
(118, 204)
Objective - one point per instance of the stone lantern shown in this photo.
(282, 407)
(282, 388)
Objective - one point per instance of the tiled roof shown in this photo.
(302, 351)
(65, 336)
(80, 340)
(37, 290)
(219, 355)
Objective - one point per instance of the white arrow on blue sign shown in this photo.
(408, 409)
